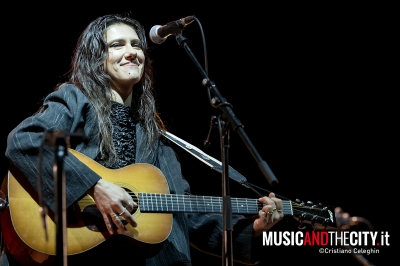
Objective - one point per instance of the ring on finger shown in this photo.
(270, 213)
(122, 211)
(113, 215)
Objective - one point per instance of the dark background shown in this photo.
(307, 82)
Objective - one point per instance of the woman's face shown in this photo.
(125, 62)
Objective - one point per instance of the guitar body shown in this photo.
(24, 235)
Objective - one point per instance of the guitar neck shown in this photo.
(168, 203)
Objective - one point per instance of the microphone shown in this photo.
(158, 34)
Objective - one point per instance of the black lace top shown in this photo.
(124, 135)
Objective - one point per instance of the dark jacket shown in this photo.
(69, 110)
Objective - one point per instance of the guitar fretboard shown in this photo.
(167, 203)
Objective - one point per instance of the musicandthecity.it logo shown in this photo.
(364, 242)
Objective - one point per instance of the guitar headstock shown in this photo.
(318, 215)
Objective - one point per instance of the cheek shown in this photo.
(109, 64)
(142, 60)
(110, 67)
(141, 57)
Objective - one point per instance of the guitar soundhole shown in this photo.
(93, 220)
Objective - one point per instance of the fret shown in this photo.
(151, 201)
(182, 202)
(172, 203)
(156, 204)
(160, 202)
(237, 205)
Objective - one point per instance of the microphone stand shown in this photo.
(227, 256)
(59, 183)
(61, 140)
(220, 102)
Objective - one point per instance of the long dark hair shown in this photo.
(88, 74)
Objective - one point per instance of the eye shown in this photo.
(137, 44)
(116, 44)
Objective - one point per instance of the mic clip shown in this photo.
(213, 123)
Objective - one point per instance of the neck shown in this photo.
(123, 99)
(124, 93)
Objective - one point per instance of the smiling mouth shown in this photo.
(130, 65)
(133, 63)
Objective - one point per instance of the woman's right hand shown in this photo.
(113, 201)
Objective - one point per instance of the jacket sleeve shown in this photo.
(66, 109)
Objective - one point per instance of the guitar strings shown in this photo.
(167, 202)
(181, 203)
(173, 198)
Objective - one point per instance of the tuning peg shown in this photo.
(314, 219)
(310, 202)
(298, 201)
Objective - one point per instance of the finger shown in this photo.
(130, 220)
(263, 217)
(270, 211)
(128, 217)
(262, 214)
(122, 212)
(278, 202)
(127, 211)
(117, 221)
(267, 209)
(268, 201)
(131, 206)
(107, 219)
(109, 222)
(274, 202)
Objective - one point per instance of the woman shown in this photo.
(109, 98)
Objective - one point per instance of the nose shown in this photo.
(131, 53)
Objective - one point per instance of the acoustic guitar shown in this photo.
(24, 234)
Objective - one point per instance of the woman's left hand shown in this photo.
(270, 214)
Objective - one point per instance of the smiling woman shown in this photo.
(109, 98)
